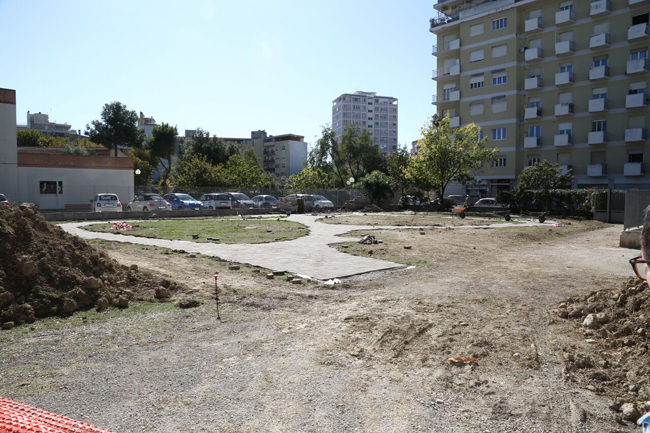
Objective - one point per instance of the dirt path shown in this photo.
(368, 355)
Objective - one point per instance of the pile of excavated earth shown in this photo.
(47, 272)
(615, 360)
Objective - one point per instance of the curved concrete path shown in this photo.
(307, 256)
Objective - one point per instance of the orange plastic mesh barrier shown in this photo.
(20, 418)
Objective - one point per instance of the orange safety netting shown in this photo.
(20, 418)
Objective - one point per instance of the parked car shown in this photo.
(241, 200)
(322, 202)
(456, 199)
(488, 202)
(265, 201)
(181, 201)
(3, 200)
(216, 200)
(308, 198)
(106, 202)
(147, 202)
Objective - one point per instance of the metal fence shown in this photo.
(609, 206)
(635, 204)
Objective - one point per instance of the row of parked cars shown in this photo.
(109, 202)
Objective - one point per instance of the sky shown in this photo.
(229, 67)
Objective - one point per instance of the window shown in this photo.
(481, 134)
(601, 61)
(566, 6)
(635, 155)
(535, 72)
(537, 13)
(599, 93)
(499, 163)
(477, 29)
(566, 67)
(640, 19)
(499, 104)
(639, 87)
(476, 56)
(565, 128)
(499, 23)
(356, 107)
(639, 53)
(533, 159)
(499, 51)
(535, 43)
(50, 187)
(535, 102)
(499, 78)
(535, 131)
(447, 90)
(499, 134)
(565, 98)
(566, 36)
(599, 126)
(600, 29)
(476, 108)
(476, 81)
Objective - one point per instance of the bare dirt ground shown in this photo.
(366, 355)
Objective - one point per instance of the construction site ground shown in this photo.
(369, 354)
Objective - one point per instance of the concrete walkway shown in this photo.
(307, 256)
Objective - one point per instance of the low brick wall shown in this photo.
(103, 216)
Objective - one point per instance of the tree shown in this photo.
(359, 152)
(198, 171)
(118, 127)
(326, 156)
(28, 138)
(143, 161)
(447, 155)
(216, 149)
(162, 145)
(542, 176)
(245, 171)
(396, 166)
(311, 178)
(378, 185)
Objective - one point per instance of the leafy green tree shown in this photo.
(72, 149)
(198, 171)
(359, 152)
(447, 155)
(28, 138)
(378, 185)
(311, 178)
(162, 146)
(396, 166)
(327, 157)
(143, 161)
(245, 171)
(542, 176)
(118, 127)
(216, 149)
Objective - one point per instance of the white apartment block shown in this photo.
(366, 109)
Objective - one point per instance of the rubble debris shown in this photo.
(461, 360)
(234, 267)
(368, 240)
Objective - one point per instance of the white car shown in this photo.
(488, 202)
(322, 202)
(147, 202)
(106, 202)
(216, 200)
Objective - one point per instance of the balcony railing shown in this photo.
(637, 2)
(596, 170)
(561, 140)
(564, 17)
(597, 137)
(636, 100)
(434, 99)
(454, 122)
(600, 40)
(563, 109)
(637, 66)
(600, 7)
(633, 169)
(533, 25)
(446, 46)
(451, 96)
(532, 83)
(531, 142)
(450, 71)
(598, 105)
(638, 31)
(564, 78)
(532, 112)
(532, 54)
(563, 48)
(633, 135)
(599, 73)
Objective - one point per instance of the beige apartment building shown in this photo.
(366, 109)
(564, 81)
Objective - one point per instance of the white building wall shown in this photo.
(79, 185)
(8, 151)
(297, 156)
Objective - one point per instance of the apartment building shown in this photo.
(564, 81)
(366, 109)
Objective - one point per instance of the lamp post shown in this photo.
(350, 182)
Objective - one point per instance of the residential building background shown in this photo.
(564, 81)
(41, 123)
(365, 109)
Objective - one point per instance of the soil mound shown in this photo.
(46, 272)
(614, 361)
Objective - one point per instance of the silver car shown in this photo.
(241, 200)
(265, 202)
(106, 202)
(147, 202)
(322, 202)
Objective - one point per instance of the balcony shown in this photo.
(563, 109)
(633, 169)
(532, 112)
(532, 83)
(597, 137)
(564, 17)
(562, 140)
(532, 54)
(565, 169)
(638, 31)
(454, 122)
(563, 48)
(634, 135)
(563, 78)
(533, 25)
(636, 100)
(446, 47)
(600, 7)
(452, 96)
(596, 170)
(598, 105)
(448, 72)
(637, 2)
(434, 99)
(601, 40)
(599, 73)
(637, 66)
(531, 142)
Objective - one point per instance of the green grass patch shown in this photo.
(227, 231)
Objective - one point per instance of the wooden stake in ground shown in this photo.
(216, 293)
